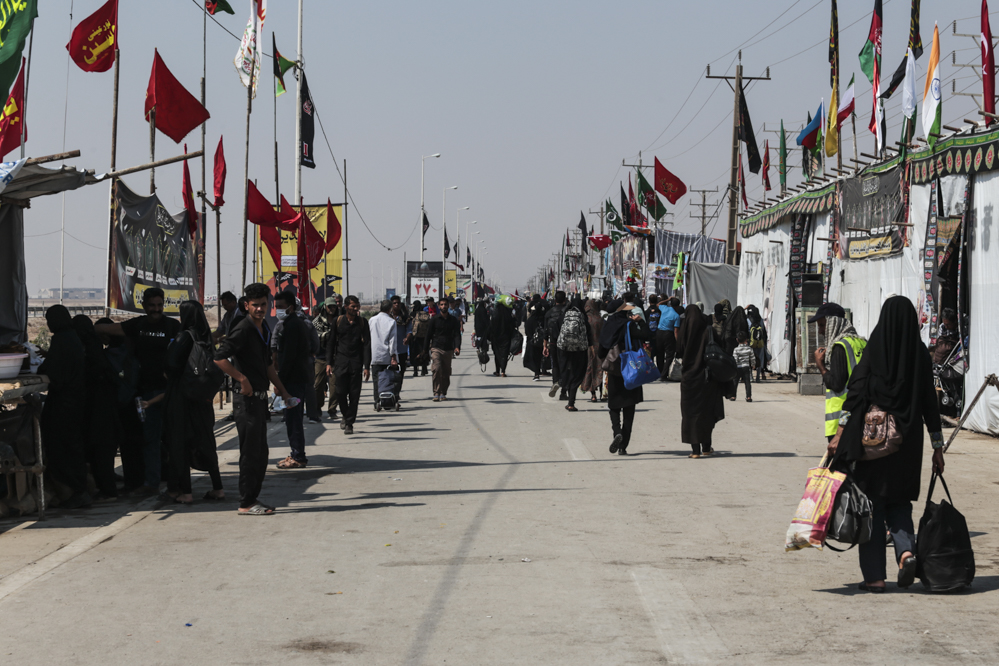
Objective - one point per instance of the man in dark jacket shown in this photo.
(323, 323)
(348, 354)
(292, 345)
(444, 339)
(553, 326)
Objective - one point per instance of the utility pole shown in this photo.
(298, 114)
(703, 217)
(733, 202)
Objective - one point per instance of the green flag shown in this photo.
(281, 65)
(648, 197)
(218, 6)
(612, 217)
(870, 55)
(782, 169)
(18, 17)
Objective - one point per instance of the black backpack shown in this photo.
(944, 558)
(516, 343)
(202, 379)
(721, 366)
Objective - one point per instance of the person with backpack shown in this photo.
(573, 347)
(701, 403)
(553, 326)
(419, 352)
(622, 325)
(291, 346)
(189, 435)
(896, 375)
(501, 327)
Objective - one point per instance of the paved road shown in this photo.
(495, 529)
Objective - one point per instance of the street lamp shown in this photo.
(422, 209)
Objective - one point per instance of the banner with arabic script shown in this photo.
(153, 248)
(872, 206)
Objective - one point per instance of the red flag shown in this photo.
(219, 175)
(333, 229)
(177, 111)
(92, 44)
(187, 193)
(310, 253)
(766, 166)
(988, 65)
(667, 184)
(637, 218)
(12, 117)
(599, 241)
(271, 238)
(259, 211)
(567, 243)
(742, 182)
(313, 239)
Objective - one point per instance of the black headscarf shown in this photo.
(613, 332)
(892, 374)
(690, 340)
(193, 320)
(58, 319)
(736, 322)
(754, 315)
(614, 305)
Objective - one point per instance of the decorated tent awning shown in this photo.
(813, 201)
(962, 153)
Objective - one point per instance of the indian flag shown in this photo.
(931, 95)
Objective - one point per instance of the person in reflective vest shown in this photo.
(837, 360)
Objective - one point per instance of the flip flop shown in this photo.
(257, 510)
(208, 496)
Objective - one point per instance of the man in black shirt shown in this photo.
(291, 343)
(348, 352)
(150, 335)
(323, 323)
(245, 355)
(444, 339)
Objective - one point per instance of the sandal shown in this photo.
(571, 408)
(593, 398)
(290, 463)
(256, 510)
(214, 498)
(694, 455)
(875, 589)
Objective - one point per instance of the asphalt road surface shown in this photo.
(495, 528)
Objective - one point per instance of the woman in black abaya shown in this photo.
(575, 361)
(189, 435)
(64, 410)
(101, 429)
(621, 401)
(532, 354)
(895, 374)
(701, 405)
(500, 331)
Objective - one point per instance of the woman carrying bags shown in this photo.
(621, 325)
(896, 375)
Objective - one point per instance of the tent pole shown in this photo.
(111, 215)
(152, 149)
(246, 173)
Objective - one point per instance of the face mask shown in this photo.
(282, 315)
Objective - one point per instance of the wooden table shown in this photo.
(13, 391)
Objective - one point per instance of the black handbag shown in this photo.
(945, 561)
(851, 520)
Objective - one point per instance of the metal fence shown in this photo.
(38, 312)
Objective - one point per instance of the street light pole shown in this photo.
(422, 208)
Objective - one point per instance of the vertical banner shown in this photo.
(153, 249)
(324, 280)
(450, 281)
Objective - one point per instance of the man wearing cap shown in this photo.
(844, 349)
(323, 323)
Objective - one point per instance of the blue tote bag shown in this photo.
(637, 367)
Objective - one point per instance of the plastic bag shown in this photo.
(811, 519)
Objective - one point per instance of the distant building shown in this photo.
(75, 293)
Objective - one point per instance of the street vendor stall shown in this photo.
(21, 454)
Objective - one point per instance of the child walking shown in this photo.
(745, 359)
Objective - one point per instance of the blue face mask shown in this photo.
(282, 315)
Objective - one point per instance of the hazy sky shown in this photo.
(533, 106)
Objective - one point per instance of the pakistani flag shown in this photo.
(281, 65)
(931, 94)
(648, 197)
(612, 217)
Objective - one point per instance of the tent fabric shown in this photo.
(695, 246)
(711, 283)
(763, 261)
(984, 333)
(32, 180)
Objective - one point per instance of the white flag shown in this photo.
(909, 87)
(251, 50)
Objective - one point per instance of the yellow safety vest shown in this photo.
(854, 348)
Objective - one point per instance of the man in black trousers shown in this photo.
(245, 355)
(348, 354)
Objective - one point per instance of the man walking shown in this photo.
(291, 345)
(444, 338)
(245, 355)
(323, 323)
(383, 344)
(419, 351)
(669, 321)
(553, 326)
(348, 352)
(837, 360)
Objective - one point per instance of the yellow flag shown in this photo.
(832, 131)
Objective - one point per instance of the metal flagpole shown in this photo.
(346, 253)
(277, 185)
(204, 209)
(298, 112)
(111, 208)
(246, 173)
(65, 115)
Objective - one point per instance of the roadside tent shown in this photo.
(711, 283)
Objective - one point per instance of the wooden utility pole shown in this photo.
(703, 217)
(733, 202)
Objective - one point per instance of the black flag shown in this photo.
(582, 228)
(426, 225)
(897, 77)
(625, 208)
(915, 41)
(468, 256)
(447, 246)
(456, 250)
(308, 123)
(747, 135)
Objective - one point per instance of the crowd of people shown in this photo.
(126, 387)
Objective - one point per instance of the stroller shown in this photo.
(948, 379)
(389, 387)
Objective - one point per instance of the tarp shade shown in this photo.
(711, 283)
(697, 248)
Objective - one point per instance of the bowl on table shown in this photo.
(10, 365)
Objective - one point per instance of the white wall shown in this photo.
(752, 271)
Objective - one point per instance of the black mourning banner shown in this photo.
(872, 205)
(308, 113)
(153, 248)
